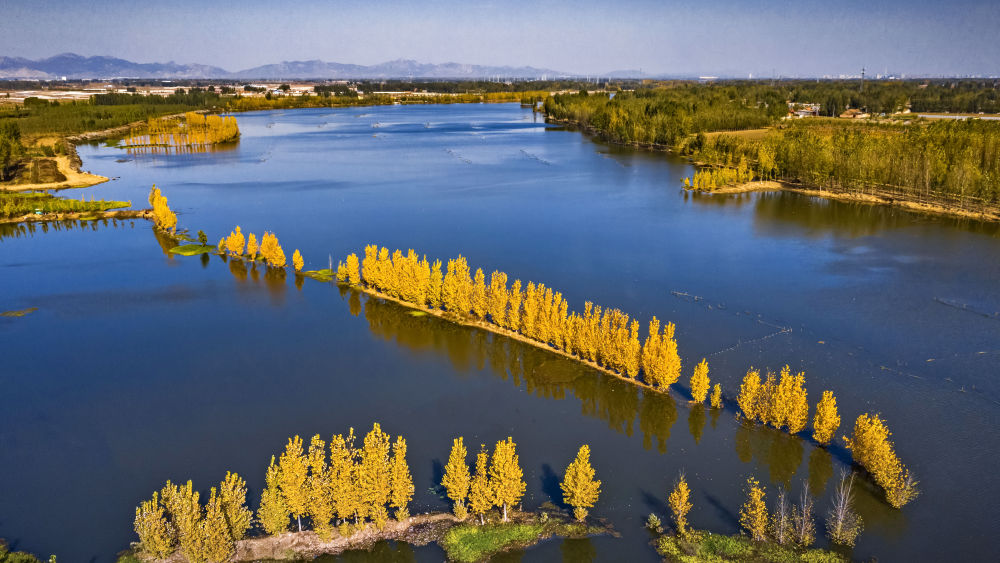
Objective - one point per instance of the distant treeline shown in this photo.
(951, 160)
(667, 116)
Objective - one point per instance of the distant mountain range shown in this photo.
(74, 66)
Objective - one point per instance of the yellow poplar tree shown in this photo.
(435, 295)
(827, 420)
(716, 399)
(580, 489)
(650, 352)
(233, 496)
(218, 544)
(252, 246)
(480, 305)
(680, 504)
(320, 508)
(753, 513)
(498, 298)
(798, 409)
(374, 477)
(273, 513)
(456, 477)
(400, 480)
(506, 478)
(185, 514)
(353, 273)
(346, 495)
(235, 242)
(480, 495)
(749, 391)
(154, 531)
(294, 479)
(699, 381)
(870, 446)
(297, 260)
(514, 307)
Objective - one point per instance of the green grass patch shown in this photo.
(469, 543)
(19, 313)
(706, 547)
(17, 204)
(324, 275)
(192, 249)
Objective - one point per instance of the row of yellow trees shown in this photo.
(337, 483)
(270, 250)
(606, 337)
(498, 481)
(174, 519)
(194, 129)
(784, 404)
(340, 482)
(710, 179)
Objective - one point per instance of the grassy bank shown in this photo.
(468, 543)
(706, 547)
(24, 205)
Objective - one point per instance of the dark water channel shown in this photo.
(139, 367)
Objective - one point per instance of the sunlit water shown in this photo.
(139, 367)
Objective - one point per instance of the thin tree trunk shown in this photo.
(300, 522)
(505, 513)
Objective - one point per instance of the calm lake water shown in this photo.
(140, 367)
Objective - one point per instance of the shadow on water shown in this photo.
(618, 404)
(791, 214)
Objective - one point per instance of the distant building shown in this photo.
(799, 110)
(854, 114)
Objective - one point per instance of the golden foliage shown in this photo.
(156, 535)
(456, 477)
(271, 252)
(233, 496)
(252, 246)
(506, 478)
(235, 242)
(374, 474)
(580, 489)
(480, 495)
(353, 271)
(716, 399)
(343, 477)
(163, 217)
(320, 505)
(750, 389)
(870, 446)
(400, 480)
(297, 262)
(217, 543)
(193, 130)
(479, 301)
(680, 504)
(827, 420)
(273, 513)
(294, 473)
(753, 513)
(699, 381)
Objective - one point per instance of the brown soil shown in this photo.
(83, 215)
(416, 530)
(65, 168)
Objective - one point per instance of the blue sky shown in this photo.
(802, 38)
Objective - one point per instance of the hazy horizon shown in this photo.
(725, 38)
